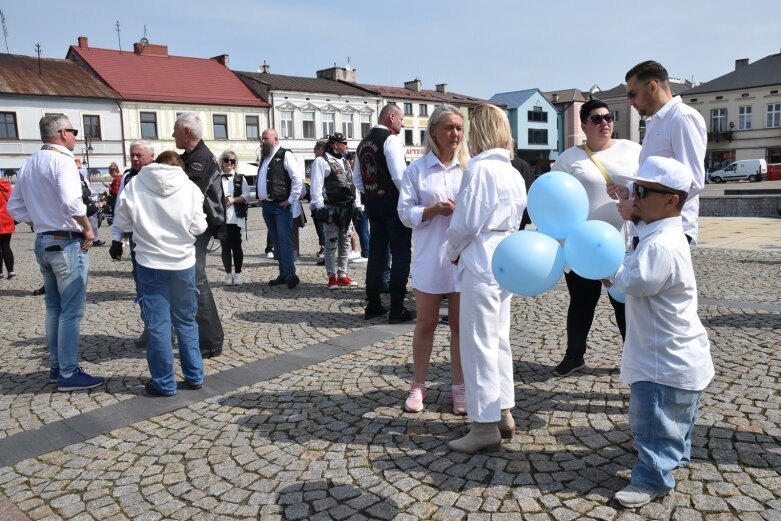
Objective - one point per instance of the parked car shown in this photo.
(753, 170)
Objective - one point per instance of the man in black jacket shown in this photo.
(202, 169)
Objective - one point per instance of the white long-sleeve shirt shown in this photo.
(294, 170)
(665, 341)
(489, 207)
(678, 131)
(394, 157)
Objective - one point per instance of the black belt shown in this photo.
(70, 235)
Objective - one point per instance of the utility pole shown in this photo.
(119, 40)
(38, 51)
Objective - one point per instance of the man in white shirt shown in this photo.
(280, 178)
(379, 167)
(672, 129)
(48, 196)
(666, 358)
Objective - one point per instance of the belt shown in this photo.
(70, 235)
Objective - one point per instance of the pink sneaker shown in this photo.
(417, 393)
(458, 396)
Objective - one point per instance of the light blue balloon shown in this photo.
(557, 203)
(617, 295)
(594, 250)
(528, 263)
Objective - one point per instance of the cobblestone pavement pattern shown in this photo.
(329, 440)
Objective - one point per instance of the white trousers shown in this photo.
(486, 357)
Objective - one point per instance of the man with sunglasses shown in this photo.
(48, 196)
(666, 358)
(672, 129)
(593, 164)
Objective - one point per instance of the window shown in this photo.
(308, 118)
(538, 115)
(347, 126)
(718, 120)
(91, 127)
(148, 125)
(253, 127)
(744, 118)
(286, 123)
(423, 110)
(220, 124)
(773, 115)
(408, 138)
(615, 115)
(408, 109)
(328, 123)
(366, 124)
(8, 125)
(538, 136)
(422, 137)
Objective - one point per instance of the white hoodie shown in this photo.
(164, 210)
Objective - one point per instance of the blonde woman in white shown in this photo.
(427, 198)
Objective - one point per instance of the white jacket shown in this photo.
(164, 210)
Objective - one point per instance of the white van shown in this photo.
(753, 170)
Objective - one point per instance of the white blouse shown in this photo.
(426, 182)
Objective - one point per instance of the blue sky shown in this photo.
(476, 48)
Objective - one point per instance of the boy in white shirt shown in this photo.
(666, 358)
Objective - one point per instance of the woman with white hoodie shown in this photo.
(164, 211)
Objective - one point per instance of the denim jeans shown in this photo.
(279, 222)
(662, 419)
(169, 297)
(64, 268)
(362, 229)
(386, 229)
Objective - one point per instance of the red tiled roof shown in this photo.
(174, 79)
(20, 75)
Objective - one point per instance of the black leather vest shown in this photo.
(377, 180)
(277, 179)
(338, 186)
(240, 208)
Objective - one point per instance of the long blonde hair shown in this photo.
(489, 128)
(461, 153)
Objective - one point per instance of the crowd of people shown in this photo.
(456, 204)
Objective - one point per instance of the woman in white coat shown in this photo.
(489, 207)
(426, 202)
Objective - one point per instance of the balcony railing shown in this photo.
(720, 136)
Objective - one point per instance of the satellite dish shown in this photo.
(144, 42)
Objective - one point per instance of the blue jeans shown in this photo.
(279, 222)
(662, 419)
(386, 231)
(166, 297)
(362, 229)
(64, 268)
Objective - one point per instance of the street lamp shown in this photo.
(85, 151)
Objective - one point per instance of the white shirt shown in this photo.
(394, 157)
(48, 192)
(319, 171)
(227, 188)
(621, 158)
(426, 182)
(294, 170)
(665, 341)
(678, 131)
(489, 207)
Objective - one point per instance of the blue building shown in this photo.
(535, 125)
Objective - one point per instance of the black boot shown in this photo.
(398, 313)
(375, 308)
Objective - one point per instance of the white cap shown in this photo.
(665, 171)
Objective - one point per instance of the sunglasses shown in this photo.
(231, 161)
(599, 118)
(71, 130)
(633, 93)
(642, 191)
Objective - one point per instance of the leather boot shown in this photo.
(482, 436)
(507, 425)
(398, 313)
(375, 307)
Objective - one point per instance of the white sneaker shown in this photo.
(353, 255)
(633, 496)
(229, 279)
(236, 279)
(270, 255)
(360, 260)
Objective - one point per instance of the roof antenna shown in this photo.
(119, 40)
(38, 51)
(5, 32)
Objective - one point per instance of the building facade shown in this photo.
(568, 103)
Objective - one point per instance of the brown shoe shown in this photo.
(507, 425)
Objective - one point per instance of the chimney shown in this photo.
(336, 73)
(741, 63)
(555, 97)
(265, 68)
(223, 59)
(415, 85)
(83, 43)
(442, 87)
(150, 49)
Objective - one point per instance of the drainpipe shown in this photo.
(122, 128)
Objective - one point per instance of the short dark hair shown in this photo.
(171, 158)
(590, 105)
(648, 70)
(682, 196)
